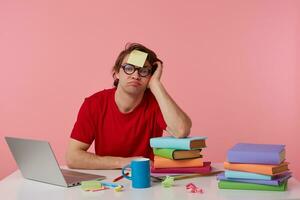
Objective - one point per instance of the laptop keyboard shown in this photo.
(74, 177)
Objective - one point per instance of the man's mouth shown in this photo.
(134, 83)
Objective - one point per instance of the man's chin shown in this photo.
(135, 90)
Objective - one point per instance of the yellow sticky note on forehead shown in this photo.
(137, 58)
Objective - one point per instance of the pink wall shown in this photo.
(232, 65)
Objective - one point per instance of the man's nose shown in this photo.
(136, 74)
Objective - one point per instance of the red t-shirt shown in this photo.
(116, 133)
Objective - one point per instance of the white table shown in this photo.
(15, 186)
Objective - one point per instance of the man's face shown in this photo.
(133, 83)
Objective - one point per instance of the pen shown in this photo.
(111, 185)
(120, 177)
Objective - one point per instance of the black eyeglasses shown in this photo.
(142, 71)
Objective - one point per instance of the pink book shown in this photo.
(184, 170)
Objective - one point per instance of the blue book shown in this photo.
(276, 181)
(246, 175)
(170, 142)
(256, 153)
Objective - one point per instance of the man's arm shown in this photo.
(178, 123)
(78, 157)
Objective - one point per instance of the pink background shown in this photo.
(233, 66)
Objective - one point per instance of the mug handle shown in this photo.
(123, 172)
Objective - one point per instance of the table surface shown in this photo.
(15, 186)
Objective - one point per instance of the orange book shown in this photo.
(258, 168)
(160, 162)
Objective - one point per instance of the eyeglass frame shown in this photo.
(150, 71)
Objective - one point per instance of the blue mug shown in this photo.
(140, 173)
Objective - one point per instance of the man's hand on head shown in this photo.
(155, 78)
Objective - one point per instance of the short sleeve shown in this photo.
(84, 129)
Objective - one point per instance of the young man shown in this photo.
(122, 120)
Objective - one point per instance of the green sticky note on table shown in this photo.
(90, 185)
(137, 58)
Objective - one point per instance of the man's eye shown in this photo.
(129, 68)
(144, 70)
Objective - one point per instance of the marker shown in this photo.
(120, 177)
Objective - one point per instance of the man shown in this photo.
(122, 120)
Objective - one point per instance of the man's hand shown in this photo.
(155, 78)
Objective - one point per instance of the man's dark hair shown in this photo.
(151, 58)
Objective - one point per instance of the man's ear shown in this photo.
(117, 75)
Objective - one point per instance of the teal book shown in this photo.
(170, 142)
(246, 175)
(251, 186)
(175, 154)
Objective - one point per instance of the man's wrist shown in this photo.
(155, 86)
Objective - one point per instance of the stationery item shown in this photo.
(176, 154)
(120, 177)
(137, 58)
(111, 185)
(256, 153)
(181, 177)
(184, 170)
(140, 173)
(258, 168)
(168, 182)
(118, 189)
(91, 186)
(193, 188)
(160, 162)
(246, 175)
(186, 176)
(170, 142)
(251, 186)
(277, 181)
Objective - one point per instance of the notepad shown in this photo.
(137, 58)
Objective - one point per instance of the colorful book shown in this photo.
(251, 186)
(246, 175)
(256, 153)
(160, 162)
(277, 181)
(175, 154)
(258, 168)
(184, 170)
(170, 142)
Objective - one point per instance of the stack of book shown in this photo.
(255, 167)
(179, 155)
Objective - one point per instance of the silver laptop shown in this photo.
(37, 162)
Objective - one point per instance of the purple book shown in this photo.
(276, 181)
(256, 153)
(184, 170)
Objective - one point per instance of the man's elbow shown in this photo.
(185, 129)
(70, 161)
(184, 132)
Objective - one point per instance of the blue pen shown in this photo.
(110, 185)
